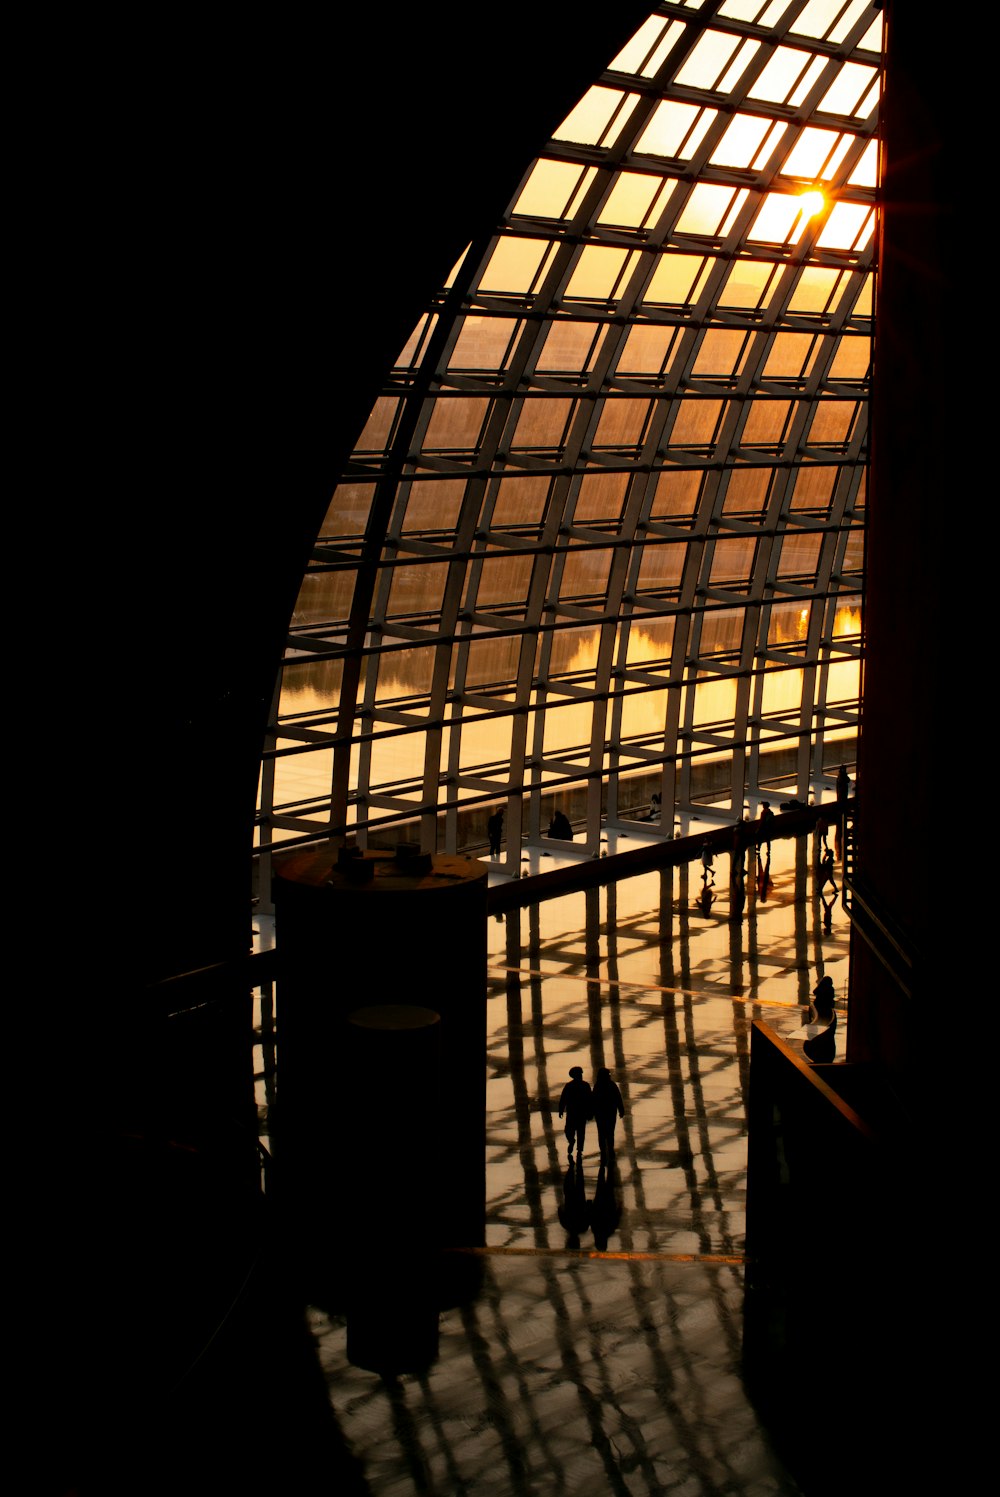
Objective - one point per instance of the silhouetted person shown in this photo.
(826, 872)
(766, 825)
(608, 1107)
(495, 829)
(559, 827)
(707, 858)
(605, 1209)
(843, 787)
(822, 832)
(576, 1102)
(574, 1213)
(820, 1045)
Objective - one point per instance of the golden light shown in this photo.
(813, 202)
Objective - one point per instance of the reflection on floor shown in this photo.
(582, 1372)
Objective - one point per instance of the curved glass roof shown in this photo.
(600, 539)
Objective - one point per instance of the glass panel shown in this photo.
(504, 580)
(675, 130)
(630, 200)
(676, 495)
(484, 343)
(721, 352)
(514, 265)
(622, 422)
(599, 117)
(799, 555)
(707, 209)
(601, 497)
(852, 359)
(543, 422)
(814, 289)
(585, 574)
(790, 356)
(375, 437)
(349, 508)
(456, 422)
(405, 673)
(714, 701)
(677, 279)
(849, 90)
(832, 421)
(814, 488)
(789, 624)
(746, 492)
(766, 421)
(417, 589)
(733, 559)
(597, 272)
(696, 422)
(662, 565)
(552, 189)
(786, 71)
(647, 350)
(750, 284)
(521, 501)
(324, 597)
(849, 226)
(433, 505)
(570, 346)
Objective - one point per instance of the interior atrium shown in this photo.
(520, 411)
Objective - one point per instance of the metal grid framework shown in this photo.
(602, 534)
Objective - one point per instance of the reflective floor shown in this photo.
(577, 1370)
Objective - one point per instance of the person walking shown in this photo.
(577, 1103)
(608, 1108)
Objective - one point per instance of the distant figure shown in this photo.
(706, 862)
(826, 872)
(560, 828)
(843, 787)
(495, 829)
(577, 1103)
(822, 832)
(766, 823)
(820, 1045)
(608, 1108)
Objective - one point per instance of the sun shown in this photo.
(813, 202)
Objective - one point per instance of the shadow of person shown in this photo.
(574, 1213)
(605, 1209)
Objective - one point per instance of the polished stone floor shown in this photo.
(602, 1352)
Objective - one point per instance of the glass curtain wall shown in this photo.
(599, 547)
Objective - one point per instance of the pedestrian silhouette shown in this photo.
(495, 829)
(577, 1103)
(608, 1107)
(843, 787)
(820, 1044)
(826, 872)
(766, 823)
(707, 858)
(560, 828)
